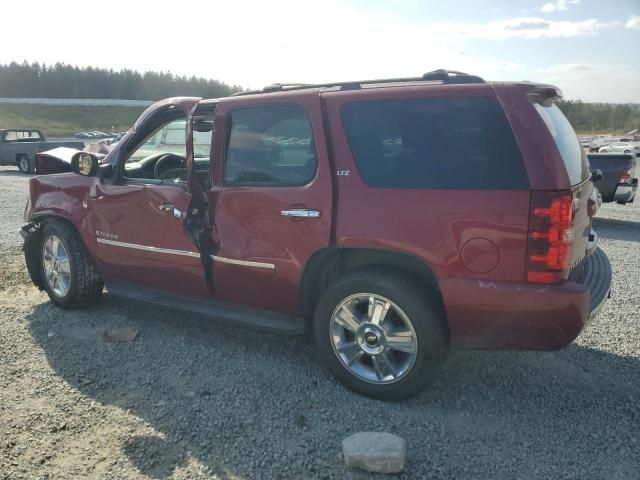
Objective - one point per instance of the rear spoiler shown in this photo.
(543, 94)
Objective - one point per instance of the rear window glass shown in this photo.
(572, 153)
(452, 143)
(21, 136)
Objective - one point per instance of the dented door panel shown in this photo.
(140, 228)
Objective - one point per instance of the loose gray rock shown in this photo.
(375, 452)
(121, 335)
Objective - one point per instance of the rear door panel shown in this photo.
(262, 253)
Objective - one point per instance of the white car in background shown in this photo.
(622, 147)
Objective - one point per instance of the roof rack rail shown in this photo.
(452, 76)
(445, 76)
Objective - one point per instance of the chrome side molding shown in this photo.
(186, 253)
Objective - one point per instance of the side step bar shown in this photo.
(233, 314)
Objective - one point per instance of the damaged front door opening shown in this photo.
(197, 222)
(171, 206)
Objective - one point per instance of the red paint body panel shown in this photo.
(544, 165)
(62, 195)
(131, 212)
(487, 302)
(431, 224)
(251, 227)
(508, 316)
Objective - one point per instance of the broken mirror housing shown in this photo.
(88, 165)
(84, 164)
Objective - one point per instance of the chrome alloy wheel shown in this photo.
(56, 266)
(373, 338)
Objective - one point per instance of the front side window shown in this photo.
(270, 145)
(161, 155)
(439, 143)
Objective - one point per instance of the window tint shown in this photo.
(573, 155)
(461, 142)
(270, 145)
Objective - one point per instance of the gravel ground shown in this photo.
(14, 191)
(190, 398)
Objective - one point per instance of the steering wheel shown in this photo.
(174, 174)
(168, 163)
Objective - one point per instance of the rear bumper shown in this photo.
(625, 193)
(514, 316)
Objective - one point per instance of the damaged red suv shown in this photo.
(394, 219)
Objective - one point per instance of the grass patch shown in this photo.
(65, 120)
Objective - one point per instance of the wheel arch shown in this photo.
(49, 215)
(328, 264)
(31, 245)
(88, 284)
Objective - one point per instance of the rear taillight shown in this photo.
(627, 174)
(549, 243)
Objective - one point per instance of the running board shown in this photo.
(232, 314)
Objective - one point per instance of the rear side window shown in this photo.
(572, 153)
(449, 143)
(270, 145)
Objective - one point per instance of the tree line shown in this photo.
(35, 80)
(601, 117)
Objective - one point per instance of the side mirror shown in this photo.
(596, 175)
(88, 165)
(85, 164)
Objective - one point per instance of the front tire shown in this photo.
(381, 333)
(67, 271)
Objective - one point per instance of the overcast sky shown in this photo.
(589, 48)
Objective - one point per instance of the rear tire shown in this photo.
(67, 271)
(24, 165)
(389, 359)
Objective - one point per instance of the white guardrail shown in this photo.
(76, 101)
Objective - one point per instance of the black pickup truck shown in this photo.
(19, 147)
(619, 182)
